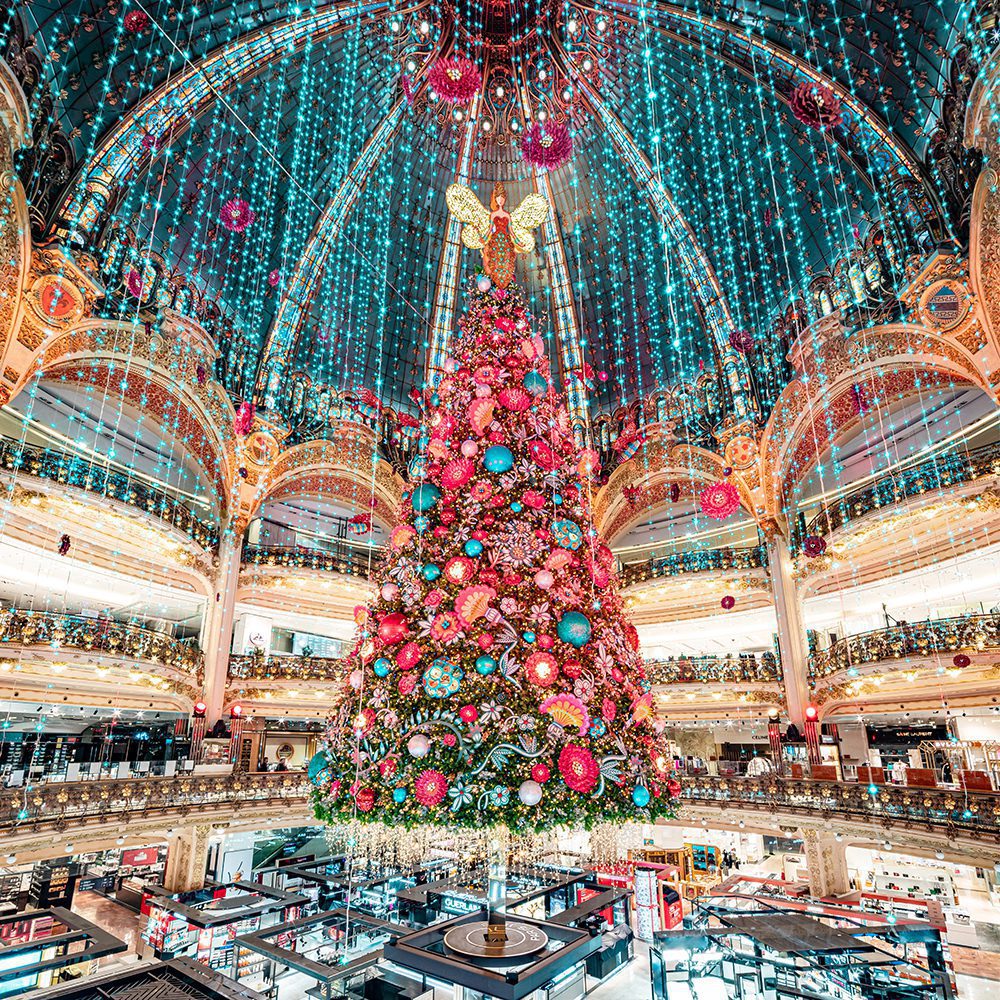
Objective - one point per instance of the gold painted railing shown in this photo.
(319, 668)
(946, 636)
(65, 631)
(59, 806)
(764, 668)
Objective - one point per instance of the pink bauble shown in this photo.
(393, 628)
(545, 641)
(470, 449)
(451, 365)
(544, 579)
(356, 679)
(390, 591)
(482, 391)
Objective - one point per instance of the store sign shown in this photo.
(139, 856)
(252, 633)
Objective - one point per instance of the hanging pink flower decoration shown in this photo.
(153, 142)
(741, 340)
(547, 147)
(134, 284)
(719, 500)
(814, 545)
(768, 217)
(728, 602)
(407, 85)
(455, 80)
(274, 277)
(816, 106)
(244, 419)
(236, 215)
(136, 21)
(961, 660)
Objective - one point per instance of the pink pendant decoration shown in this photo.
(816, 106)
(244, 419)
(455, 80)
(814, 545)
(136, 21)
(547, 146)
(741, 340)
(719, 501)
(236, 215)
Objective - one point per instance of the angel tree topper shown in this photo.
(496, 681)
(499, 235)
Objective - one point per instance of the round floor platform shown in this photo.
(470, 940)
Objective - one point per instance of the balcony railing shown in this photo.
(72, 470)
(970, 634)
(746, 668)
(932, 808)
(58, 806)
(320, 668)
(341, 559)
(951, 469)
(747, 558)
(64, 631)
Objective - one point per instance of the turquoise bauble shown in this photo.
(536, 384)
(319, 769)
(516, 507)
(399, 796)
(382, 666)
(528, 636)
(425, 496)
(498, 458)
(431, 572)
(574, 628)
(486, 665)
(473, 547)
(640, 796)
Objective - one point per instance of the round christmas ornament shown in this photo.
(961, 660)
(455, 80)
(536, 383)
(728, 602)
(425, 497)
(485, 665)
(530, 793)
(574, 628)
(393, 628)
(640, 796)
(419, 746)
(498, 458)
(719, 501)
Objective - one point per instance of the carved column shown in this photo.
(187, 859)
(217, 628)
(827, 863)
(792, 644)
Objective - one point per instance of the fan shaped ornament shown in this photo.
(816, 106)
(456, 81)
(547, 146)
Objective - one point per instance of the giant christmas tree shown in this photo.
(496, 680)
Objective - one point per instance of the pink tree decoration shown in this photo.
(455, 80)
(816, 106)
(741, 340)
(547, 147)
(244, 419)
(236, 215)
(719, 500)
(136, 21)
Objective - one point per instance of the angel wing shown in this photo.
(469, 210)
(530, 214)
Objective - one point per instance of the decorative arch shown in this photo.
(203, 413)
(844, 380)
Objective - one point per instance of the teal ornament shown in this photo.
(574, 628)
(435, 399)
(640, 796)
(498, 458)
(528, 636)
(424, 497)
(431, 572)
(319, 769)
(557, 498)
(399, 796)
(473, 547)
(442, 678)
(421, 522)
(516, 506)
(567, 534)
(418, 466)
(536, 383)
(382, 666)
(486, 665)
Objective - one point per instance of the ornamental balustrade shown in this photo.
(58, 806)
(952, 469)
(276, 667)
(747, 558)
(72, 470)
(746, 668)
(340, 558)
(969, 633)
(67, 631)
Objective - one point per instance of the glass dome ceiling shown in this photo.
(698, 202)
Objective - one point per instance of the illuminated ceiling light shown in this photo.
(425, 27)
(588, 64)
(410, 65)
(486, 125)
(543, 74)
(572, 25)
(500, 91)
(601, 25)
(394, 26)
